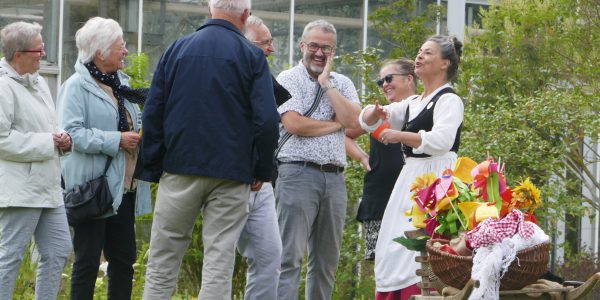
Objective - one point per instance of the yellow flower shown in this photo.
(418, 216)
(462, 169)
(422, 182)
(527, 194)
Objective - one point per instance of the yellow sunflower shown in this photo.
(527, 195)
(422, 182)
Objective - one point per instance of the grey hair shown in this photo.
(233, 6)
(450, 49)
(17, 36)
(252, 21)
(404, 66)
(320, 24)
(96, 35)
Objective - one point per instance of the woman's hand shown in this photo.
(129, 140)
(380, 112)
(390, 136)
(62, 140)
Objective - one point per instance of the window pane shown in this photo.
(166, 21)
(43, 12)
(345, 15)
(375, 38)
(77, 12)
(276, 16)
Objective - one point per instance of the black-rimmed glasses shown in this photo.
(387, 78)
(314, 47)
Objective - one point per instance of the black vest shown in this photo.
(424, 121)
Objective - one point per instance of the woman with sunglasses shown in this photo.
(31, 202)
(428, 127)
(383, 164)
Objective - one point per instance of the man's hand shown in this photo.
(324, 76)
(364, 163)
(256, 185)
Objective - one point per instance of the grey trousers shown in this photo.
(180, 198)
(311, 207)
(50, 229)
(260, 243)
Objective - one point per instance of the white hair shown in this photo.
(17, 36)
(320, 24)
(233, 6)
(97, 34)
(255, 22)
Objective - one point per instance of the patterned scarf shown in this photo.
(121, 92)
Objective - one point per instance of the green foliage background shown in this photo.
(530, 80)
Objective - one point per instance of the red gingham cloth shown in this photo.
(492, 231)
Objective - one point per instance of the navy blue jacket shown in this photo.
(211, 110)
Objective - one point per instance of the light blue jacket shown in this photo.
(90, 116)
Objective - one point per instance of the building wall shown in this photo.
(163, 21)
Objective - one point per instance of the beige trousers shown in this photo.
(180, 198)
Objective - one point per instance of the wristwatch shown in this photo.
(327, 86)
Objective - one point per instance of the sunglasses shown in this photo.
(387, 78)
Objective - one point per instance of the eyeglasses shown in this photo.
(122, 46)
(39, 51)
(387, 78)
(265, 42)
(314, 47)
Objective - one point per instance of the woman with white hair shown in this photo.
(30, 144)
(100, 112)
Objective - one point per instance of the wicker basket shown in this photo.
(455, 270)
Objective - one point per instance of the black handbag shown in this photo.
(88, 200)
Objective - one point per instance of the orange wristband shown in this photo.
(380, 129)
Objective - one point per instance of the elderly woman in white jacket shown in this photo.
(98, 109)
(31, 202)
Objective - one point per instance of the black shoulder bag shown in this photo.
(288, 135)
(88, 200)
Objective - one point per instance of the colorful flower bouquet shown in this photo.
(461, 198)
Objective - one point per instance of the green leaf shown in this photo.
(415, 244)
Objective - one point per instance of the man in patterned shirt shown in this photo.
(311, 190)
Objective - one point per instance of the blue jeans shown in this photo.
(260, 243)
(311, 207)
(51, 231)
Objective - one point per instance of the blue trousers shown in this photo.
(51, 231)
(260, 243)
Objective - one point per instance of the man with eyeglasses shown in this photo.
(260, 242)
(311, 190)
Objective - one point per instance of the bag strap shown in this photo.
(108, 161)
(308, 113)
